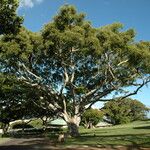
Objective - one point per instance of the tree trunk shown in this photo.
(73, 129)
(90, 125)
(73, 125)
(44, 122)
(5, 127)
(23, 125)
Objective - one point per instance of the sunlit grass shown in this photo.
(136, 133)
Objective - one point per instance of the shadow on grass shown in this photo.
(25, 147)
(129, 141)
(14, 147)
(142, 127)
(29, 144)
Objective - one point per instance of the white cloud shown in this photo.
(29, 3)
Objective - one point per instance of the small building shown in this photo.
(102, 124)
(58, 123)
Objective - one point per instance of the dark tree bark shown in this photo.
(5, 127)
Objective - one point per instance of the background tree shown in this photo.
(72, 64)
(91, 117)
(10, 101)
(17, 101)
(124, 111)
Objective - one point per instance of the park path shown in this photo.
(46, 144)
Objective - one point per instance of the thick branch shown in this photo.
(97, 97)
(65, 106)
(135, 92)
(90, 93)
(66, 80)
(31, 73)
(73, 74)
(122, 62)
(111, 71)
(99, 100)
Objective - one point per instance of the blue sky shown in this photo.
(132, 13)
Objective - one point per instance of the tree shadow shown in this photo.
(16, 147)
(142, 127)
(136, 142)
(31, 144)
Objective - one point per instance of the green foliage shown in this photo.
(137, 53)
(9, 21)
(92, 116)
(125, 111)
(68, 16)
(17, 49)
(10, 100)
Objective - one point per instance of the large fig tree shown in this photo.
(74, 65)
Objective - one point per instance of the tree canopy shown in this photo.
(92, 117)
(72, 64)
(124, 111)
(10, 22)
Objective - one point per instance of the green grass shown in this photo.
(136, 133)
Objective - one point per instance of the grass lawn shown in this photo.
(136, 133)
